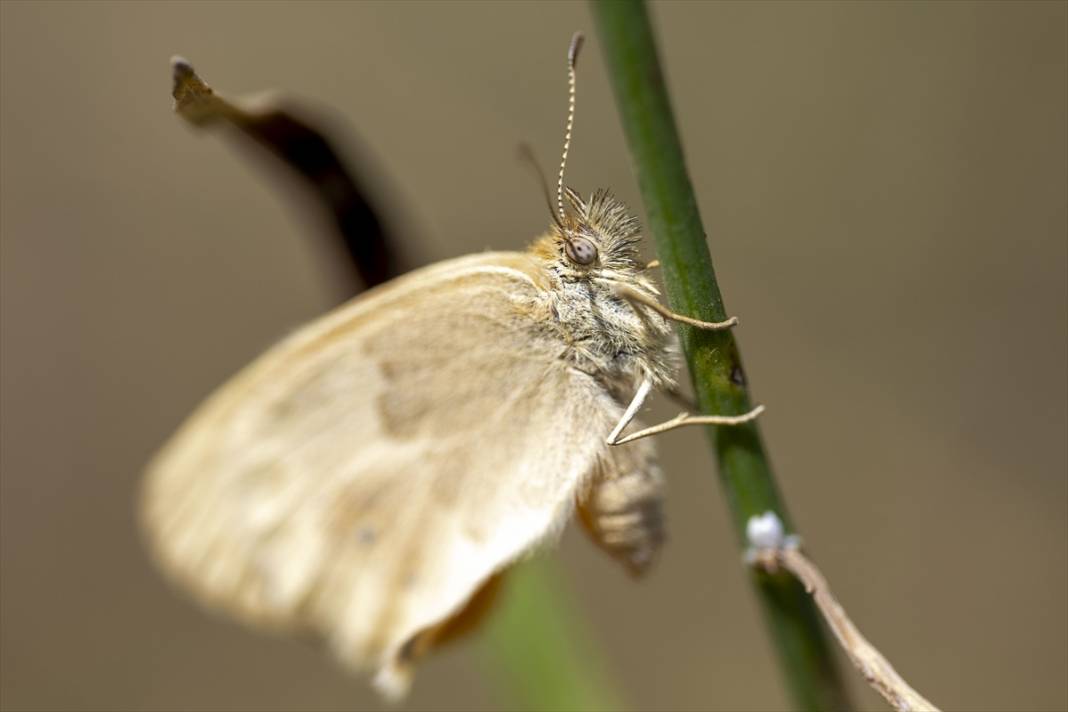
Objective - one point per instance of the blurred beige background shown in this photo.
(884, 187)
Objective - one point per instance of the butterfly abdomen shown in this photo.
(623, 507)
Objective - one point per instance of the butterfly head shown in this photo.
(589, 239)
(596, 237)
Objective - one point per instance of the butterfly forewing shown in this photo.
(365, 476)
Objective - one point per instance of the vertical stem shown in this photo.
(713, 357)
(544, 656)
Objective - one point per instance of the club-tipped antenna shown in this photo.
(526, 154)
(572, 57)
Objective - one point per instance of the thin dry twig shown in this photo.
(875, 668)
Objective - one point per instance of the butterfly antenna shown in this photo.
(572, 56)
(526, 154)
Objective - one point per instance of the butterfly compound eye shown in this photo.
(580, 251)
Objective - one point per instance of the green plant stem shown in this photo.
(544, 657)
(713, 357)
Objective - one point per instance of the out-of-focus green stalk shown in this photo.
(540, 648)
(713, 357)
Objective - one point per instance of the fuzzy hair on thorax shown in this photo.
(619, 342)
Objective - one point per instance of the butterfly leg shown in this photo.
(677, 422)
(686, 419)
(630, 412)
(637, 297)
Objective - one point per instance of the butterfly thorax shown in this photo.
(587, 259)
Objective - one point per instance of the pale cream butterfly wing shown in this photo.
(364, 477)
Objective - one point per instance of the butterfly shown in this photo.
(367, 479)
